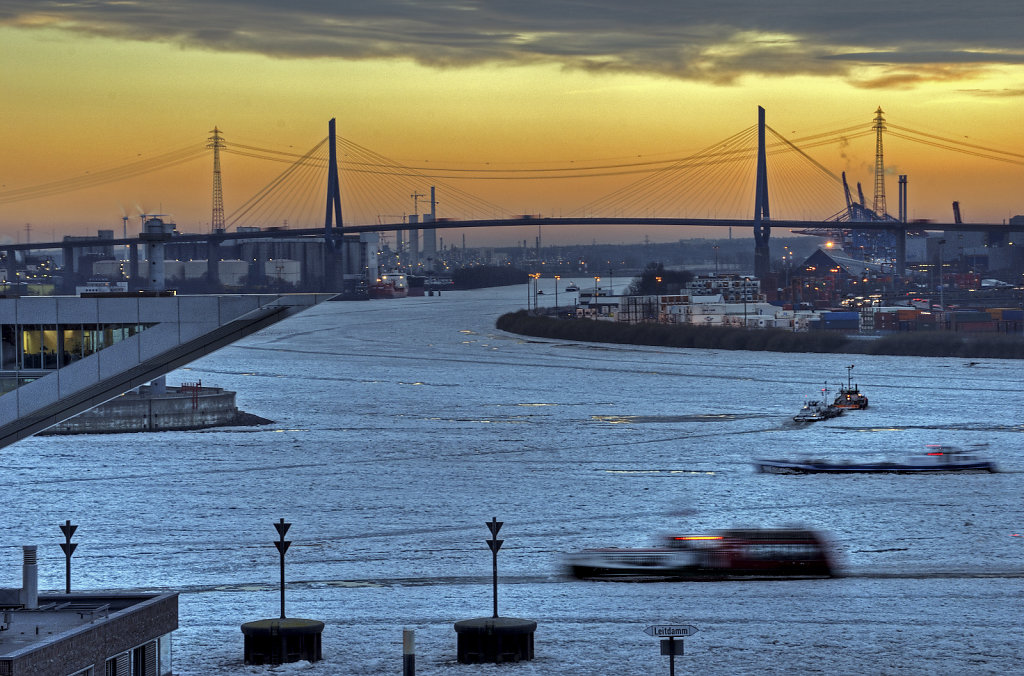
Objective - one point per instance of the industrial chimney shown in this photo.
(29, 578)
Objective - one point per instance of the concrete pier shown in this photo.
(494, 640)
(187, 407)
(281, 641)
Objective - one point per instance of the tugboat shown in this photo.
(849, 396)
(572, 288)
(814, 410)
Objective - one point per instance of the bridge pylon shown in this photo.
(332, 234)
(762, 229)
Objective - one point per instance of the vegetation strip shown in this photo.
(918, 343)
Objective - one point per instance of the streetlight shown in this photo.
(716, 259)
(746, 286)
(557, 277)
(942, 303)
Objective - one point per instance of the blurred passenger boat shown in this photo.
(753, 553)
(936, 458)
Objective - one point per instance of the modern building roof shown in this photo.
(68, 633)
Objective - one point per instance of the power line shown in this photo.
(120, 173)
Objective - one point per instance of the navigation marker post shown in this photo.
(69, 547)
(282, 546)
(494, 639)
(495, 544)
(669, 633)
(282, 640)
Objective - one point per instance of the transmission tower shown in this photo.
(879, 205)
(217, 220)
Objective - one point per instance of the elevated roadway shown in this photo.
(524, 221)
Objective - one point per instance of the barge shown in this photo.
(739, 553)
(937, 458)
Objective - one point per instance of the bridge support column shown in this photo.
(12, 272)
(334, 237)
(900, 263)
(430, 234)
(213, 262)
(414, 246)
(70, 273)
(762, 230)
(133, 267)
(995, 238)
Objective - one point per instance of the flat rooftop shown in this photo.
(60, 616)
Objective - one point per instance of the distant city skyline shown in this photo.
(91, 87)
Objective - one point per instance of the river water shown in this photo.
(403, 426)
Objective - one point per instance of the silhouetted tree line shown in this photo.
(920, 343)
(487, 275)
(655, 280)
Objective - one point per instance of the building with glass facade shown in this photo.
(61, 355)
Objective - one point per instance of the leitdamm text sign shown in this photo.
(670, 630)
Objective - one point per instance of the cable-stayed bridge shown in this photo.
(755, 178)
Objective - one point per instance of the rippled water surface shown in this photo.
(402, 426)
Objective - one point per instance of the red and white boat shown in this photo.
(390, 285)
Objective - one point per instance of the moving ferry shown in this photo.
(741, 553)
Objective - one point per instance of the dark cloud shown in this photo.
(932, 57)
(711, 41)
(995, 93)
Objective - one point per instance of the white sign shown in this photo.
(673, 630)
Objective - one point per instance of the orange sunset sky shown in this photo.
(92, 86)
